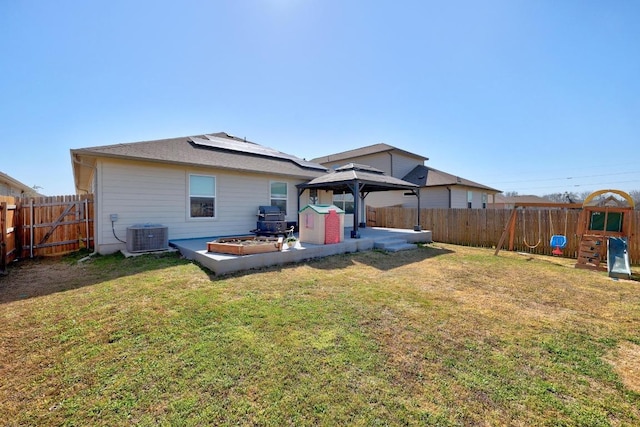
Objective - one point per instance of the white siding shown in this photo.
(393, 164)
(458, 197)
(385, 198)
(380, 161)
(437, 197)
(147, 193)
(477, 199)
(402, 165)
(8, 190)
(325, 198)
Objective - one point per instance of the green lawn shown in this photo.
(442, 335)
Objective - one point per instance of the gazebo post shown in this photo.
(356, 205)
(418, 227)
(363, 216)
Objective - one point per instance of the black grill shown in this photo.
(270, 222)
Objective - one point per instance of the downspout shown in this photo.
(449, 190)
(390, 163)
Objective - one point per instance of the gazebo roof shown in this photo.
(360, 180)
(369, 179)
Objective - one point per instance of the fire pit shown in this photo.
(245, 245)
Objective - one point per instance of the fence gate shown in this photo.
(56, 225)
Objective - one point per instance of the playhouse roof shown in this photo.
(323, 209)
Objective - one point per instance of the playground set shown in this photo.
(603, 230)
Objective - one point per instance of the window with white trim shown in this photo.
(279, 195)
(469, 199)
(202, 196)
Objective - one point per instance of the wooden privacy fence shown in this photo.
(44, 226)
(8, 231)
(484, 227)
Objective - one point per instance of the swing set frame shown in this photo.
(510, 228)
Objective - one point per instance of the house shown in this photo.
(500, 201)
(212, 185)
(197, 186)
(14, 188)
(438, 189)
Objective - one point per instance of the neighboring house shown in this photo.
(500, 201)
(12, 187)
(198, 186)
(444, 190)
(438, 189)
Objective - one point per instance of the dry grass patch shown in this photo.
(442, 335)
(626, 361)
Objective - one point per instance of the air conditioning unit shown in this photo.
(147, 237)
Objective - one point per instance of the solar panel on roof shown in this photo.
(251, 148)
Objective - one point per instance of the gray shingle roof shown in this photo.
(235, 154)
(425, 176)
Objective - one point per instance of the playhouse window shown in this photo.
(614, 221)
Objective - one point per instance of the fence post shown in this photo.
(86, 220)
(17, 229)
(3, 237)
(31, 210)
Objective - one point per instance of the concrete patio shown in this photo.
(389, 239)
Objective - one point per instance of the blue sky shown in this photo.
(530, 96)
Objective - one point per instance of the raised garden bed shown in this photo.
(245, 245)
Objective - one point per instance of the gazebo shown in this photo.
(360, 180)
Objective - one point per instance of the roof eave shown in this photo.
(15, 183)
(461, 184)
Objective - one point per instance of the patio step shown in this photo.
(393, 244)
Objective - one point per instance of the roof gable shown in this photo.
(365, 151)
